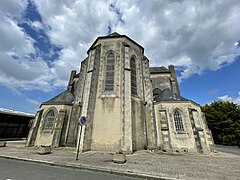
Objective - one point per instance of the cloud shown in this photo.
(37, 25)
(197, 32)
(32, 101)
(74, 26)
(194, 35)
(21, 68)
(13, 8)
(235, 100)
(212, 92)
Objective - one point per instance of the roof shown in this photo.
(168, 95)
(114, 35)
(16, 113)
(66, 98)
(162, 69)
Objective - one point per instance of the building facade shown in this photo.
(128, 105)
(14, 125)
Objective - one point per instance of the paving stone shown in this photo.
(141, 163)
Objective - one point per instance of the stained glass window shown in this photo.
(178, 121)
(109, 79)
(50, 117)
(133, 77)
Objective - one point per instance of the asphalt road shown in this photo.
(20, 170)
(228, 149)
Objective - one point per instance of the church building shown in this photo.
(128, 106)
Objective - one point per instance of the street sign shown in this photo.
(82, 120)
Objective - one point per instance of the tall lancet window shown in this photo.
(133, 77)
(178, 121)
(109, 79)
(50, 117)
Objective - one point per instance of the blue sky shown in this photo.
(42, 41)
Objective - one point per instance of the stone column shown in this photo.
(209, 137)
(72, 131)
(165, 130)
(195, 131)
(34, 129)
(126, 138)
(148, 106)
(58, 128)
(89, 98)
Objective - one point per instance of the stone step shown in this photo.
(17, 143)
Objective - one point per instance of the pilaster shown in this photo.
(89, 98)
(58, 128)
(34, 129)
(126, 138)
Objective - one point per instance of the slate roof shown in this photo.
(159, 70)
(168, 95)
(114, 35)
(65, 98)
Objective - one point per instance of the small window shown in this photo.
(50, 117)
(109, 78)
(133, 77)
(178, 121)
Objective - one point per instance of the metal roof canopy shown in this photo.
(15, 113)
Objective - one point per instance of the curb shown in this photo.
(91, 168)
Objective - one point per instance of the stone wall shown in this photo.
(161, 81)
(53, 137)
(118, 121)
(192, 139)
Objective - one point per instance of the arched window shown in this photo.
(109, 79)
(49, 122)
(156, 93)
(178, 121)
(133, 77)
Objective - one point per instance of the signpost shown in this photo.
(82, 121)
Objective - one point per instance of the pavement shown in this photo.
(228, 149)
(142, 164)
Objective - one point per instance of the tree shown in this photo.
(223, 119)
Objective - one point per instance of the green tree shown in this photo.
(223, 120)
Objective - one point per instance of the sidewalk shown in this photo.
(142, 164)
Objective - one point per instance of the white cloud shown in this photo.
(37, 25)
(192, 34)
(203, 32)
(213, 92)
(74, 26)
(13, 40)
(32, 101)
(12, 7)
(235, 100)
(197, 35)
(18, 71)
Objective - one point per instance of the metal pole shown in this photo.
(79, 140)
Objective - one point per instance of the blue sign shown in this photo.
(82, 120)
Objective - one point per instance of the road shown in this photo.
(20, 170)
(228, 149)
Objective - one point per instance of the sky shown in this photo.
(41, 41)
